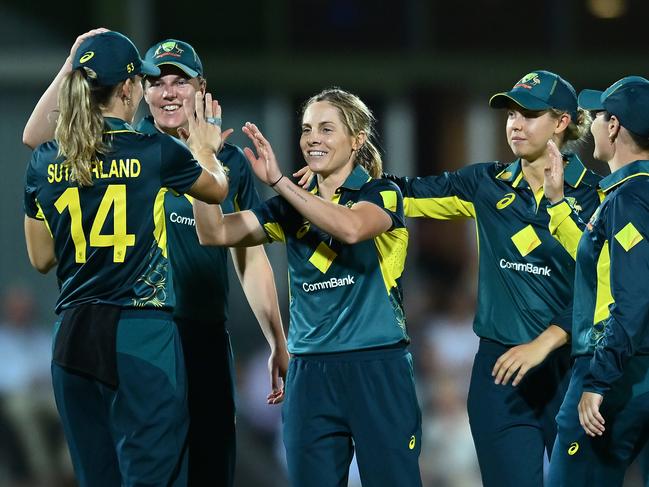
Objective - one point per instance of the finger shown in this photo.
(521, 373)
(199, 106)
(510, 371)
(300, 172)
(225, 134)
(189, 113)
(209, 108)
(183, 134)
(216, 108)
(304, 180)
(250, 155)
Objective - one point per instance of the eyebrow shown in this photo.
(321, 123)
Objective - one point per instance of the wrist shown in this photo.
(273, 184)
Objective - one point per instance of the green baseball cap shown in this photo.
(627, 99)
(539, 90)
(177, 53)
(113, 57)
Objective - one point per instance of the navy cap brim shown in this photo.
(188, 71)
(525, 100)
(149, 69)
(590, 100)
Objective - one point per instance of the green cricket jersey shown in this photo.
(110, 238)
(342, 297)
(611, 308)
(525, 276)
(201, 273)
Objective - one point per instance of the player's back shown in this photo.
(110, 238)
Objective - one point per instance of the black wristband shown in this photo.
(272, 185)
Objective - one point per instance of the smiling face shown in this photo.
(528, 131)
(165, 96)
(327, 145)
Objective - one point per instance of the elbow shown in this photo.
(28, 141)
(43, 266)
(350, 237)
(208, 239)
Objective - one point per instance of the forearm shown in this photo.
(337, 220)
(42, 121)
(258, 283)
(552, 338)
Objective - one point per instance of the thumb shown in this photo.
(183, 133)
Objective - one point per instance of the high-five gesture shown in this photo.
(204, 129)
(264, 164)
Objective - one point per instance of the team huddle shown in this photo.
(563, 361)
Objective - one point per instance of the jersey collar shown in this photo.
(573, 173)
(357, 178)
(147, 126)
(632, 170)
(112, 125)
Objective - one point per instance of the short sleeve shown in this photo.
(386, 195)
(273, 216)
(178, 168)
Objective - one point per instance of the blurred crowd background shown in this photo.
(427, 69)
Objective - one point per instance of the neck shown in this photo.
(625, 156)
(329, 183)
(119, 112)
(533, 171)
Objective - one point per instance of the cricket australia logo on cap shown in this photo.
(528, 81)
(168, 49)
(86, 57)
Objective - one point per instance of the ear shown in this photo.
(563, 122)
(359, 140)
(127, 88)
(613, 128)
(202, 86)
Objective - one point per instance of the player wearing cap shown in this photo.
(201, 277)
(603, 421)
(93, 210)
(525, 276)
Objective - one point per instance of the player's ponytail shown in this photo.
(80, 125)
(577, 131)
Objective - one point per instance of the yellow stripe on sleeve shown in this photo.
(159, 222)
(446, 208)
(563, 228)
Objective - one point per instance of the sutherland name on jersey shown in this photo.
(116, 168)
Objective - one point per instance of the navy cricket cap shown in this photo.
(539, 90)
(627, 99)
(113, 57)
(177, 53)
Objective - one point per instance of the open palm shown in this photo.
(262, 159)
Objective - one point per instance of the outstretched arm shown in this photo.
(42, 122)
(258, 283)
(363, 221)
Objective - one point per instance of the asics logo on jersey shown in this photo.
(412, 442)
(525, 267)
(183, 220)
(506, 201)
(328, 284)
(574, 448)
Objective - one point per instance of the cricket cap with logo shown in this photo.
(627, 99)
(539, 90)
(176, 53)
(113, 58)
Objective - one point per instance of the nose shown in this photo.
(516, 121)
(169, 92)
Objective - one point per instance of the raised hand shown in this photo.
(82, 38)
(204, 124)
(263, 161)
(553, 174)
